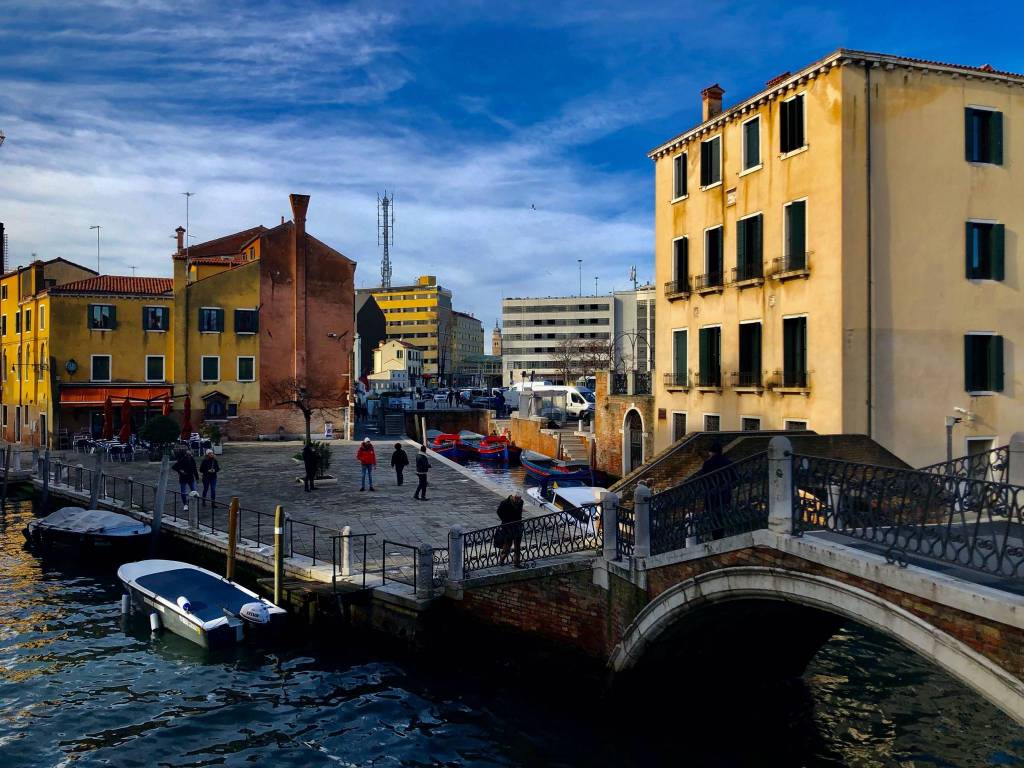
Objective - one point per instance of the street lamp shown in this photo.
(97, 227)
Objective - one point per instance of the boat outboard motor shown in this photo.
(184, 604)
(255, 613)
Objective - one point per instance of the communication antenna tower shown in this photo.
(632, 275)
(385, 234)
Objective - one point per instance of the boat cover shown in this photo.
(93, 521)
(535, 457)
(207, 594)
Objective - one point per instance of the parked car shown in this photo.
(482, 402)
(440, 397)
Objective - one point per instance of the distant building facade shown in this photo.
(397, 366)
(371, 330)
(467, 341)
(496, 340)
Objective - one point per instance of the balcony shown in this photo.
(791, 266)
(711, 282)
(641, 383)
(632, 383)
(680, 380)
(677, 289)
(748, 381)
(710, 379)
(748, 275)
(790, 382)
(620, 384)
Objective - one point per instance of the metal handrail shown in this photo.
(991, 465)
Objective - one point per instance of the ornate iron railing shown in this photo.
(975, 524)
(730, 500)
(439, 572)
(677, 380)
(991, 465)
(795, 263)
(747, 379)
(709, 281)
(535, 538)
(753, 270)
(641, 382)
(626, 534)
(709, 377)
(620, 383)
(677, 287)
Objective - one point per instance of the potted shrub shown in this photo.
(323, 452)
(160, 432)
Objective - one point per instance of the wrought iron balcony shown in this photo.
(790, 381)
(677, 289)
(710, 378)
(751, 272)
(709, 282)
(791, 265)
(641, 383)
(620, 384)
(747, 379)
(677, 380)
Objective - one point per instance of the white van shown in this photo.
(579, 401)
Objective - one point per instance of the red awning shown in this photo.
(91, 397)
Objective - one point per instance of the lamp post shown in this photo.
(97, 227)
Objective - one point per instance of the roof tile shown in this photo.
(151, 286)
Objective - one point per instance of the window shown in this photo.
(232, 410)
(17, 322)
(711, 161)
(210, 368)
(42, 318)
(154, 367)
(791, 136)
(710, 357)
(983, 135)
(247, 369)
(156, 318)
(3, 325)
(794, 352)
(750, 424)
(679, 361)
(247, 321)
(3, 295)
(985, 246)
(100, 368)
(211, 320)
(983, 362)
(712, 422)
(28, 320)
(749, 259)
(752, 144)
(681, 263)
(713, 258)
(750, 355)
(796, 235)
(102, 317)
(679, 176)
(40, 370)
(793, 425)
(678, 425)
(398, 354)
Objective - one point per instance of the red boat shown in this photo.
(514, 451)
(443, 444)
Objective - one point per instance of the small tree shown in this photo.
(320, 396)
(159, 432)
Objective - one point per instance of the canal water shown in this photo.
(80, 687)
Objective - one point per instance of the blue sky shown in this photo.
(514, 135)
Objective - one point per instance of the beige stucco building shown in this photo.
(839, 252)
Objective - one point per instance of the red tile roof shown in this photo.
(228, 245)
(150, 286)
(218, 260)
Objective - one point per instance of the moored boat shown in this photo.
(576, 503)
(540, 467)
(513, 451)
(469, 444)
(197, 604)
(443, 444)
(87, 529)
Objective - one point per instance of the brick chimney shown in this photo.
(299, 247)
(180, 232)
(711, 102)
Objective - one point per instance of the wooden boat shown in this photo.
(496, 451)
(469, 444)
(576, 503)
(197, 604)
(87, 530)
(540, 467)
(442, 443)
(514, 451)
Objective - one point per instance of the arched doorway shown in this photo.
(632, 441)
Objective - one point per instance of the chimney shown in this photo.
(180, 232)
(299, 246)
(711, 102)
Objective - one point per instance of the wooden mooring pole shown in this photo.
(7, 470)
(278, 552)
(232, 537)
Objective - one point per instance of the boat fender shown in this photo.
(255, 613)
(184, 604)
(154, 622)
(126, 604)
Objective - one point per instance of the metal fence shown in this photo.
(991, 465)
(399, 564)
(532, 539)
(626, 535)
(723, 503)
(976, 524)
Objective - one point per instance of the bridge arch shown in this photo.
(792, 590)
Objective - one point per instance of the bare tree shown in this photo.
(596, 355)
(569, 358)
(309, 397)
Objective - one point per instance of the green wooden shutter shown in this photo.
(995, 363)
(796, 235)
(705, 355)
(968, 134)
(997, 244)
(679, 355)
(113, 316)
(220, 319)
(968, 364)
(705, 163)
(756, 257)
(969, 250)
(995, 137)
(741, 248)
(755, 357)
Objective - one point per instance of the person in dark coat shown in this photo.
(499, 405)
(718, 493)
(510, 512)
(209, 469)
(310, 460)
(422, 467)
(185, 466)
(399, 460)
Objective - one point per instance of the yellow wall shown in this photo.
(418, 309)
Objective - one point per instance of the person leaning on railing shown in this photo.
(510, 512)
(718, 495)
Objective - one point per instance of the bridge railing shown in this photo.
(723, 503)
(972, 523)
(991, 465)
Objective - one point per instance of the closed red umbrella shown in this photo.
(108, 419)
(166, 410)
(126, 421)
(186, 424)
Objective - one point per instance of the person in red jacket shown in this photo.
(368, 458)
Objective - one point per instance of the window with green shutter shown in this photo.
(710, 357)
(713, 256)
(749, 257)
(211, 320)
(679, 176)
(681, 263)
(679, 358)
(985, 251)
(796, 235)
(749, 374)
(751, 143)
(794, 352)
(983, 362)
(791, 131)
(102, 317)
(711, 161)
(983, 135)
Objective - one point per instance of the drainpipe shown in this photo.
(870, 361)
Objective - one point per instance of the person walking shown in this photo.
(311, 461)
(451, 396)
(399, 460)
(510, 512)
(368, 459)
(718, 491)
(185, 466)
(499, 405)
(209, 469)
(422, 467)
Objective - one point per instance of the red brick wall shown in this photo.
(253, 423)
(609, 415)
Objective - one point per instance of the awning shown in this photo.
(82, 397)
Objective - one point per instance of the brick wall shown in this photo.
(250, 424)
(609, 415)
(454, 421)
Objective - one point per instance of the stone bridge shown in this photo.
(750, 572)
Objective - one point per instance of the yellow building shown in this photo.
(815, 273)
(420, 314)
